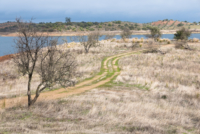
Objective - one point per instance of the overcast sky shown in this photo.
(100, 10)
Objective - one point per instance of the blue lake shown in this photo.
(7, 43)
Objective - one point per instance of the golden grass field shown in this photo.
(153, 94)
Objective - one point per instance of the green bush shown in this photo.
(89, 23)
(50, 30)
(74, 29)
(182, 34)
(68, 28)
(144, 28)
(91, 29)
(118, 22)
(180, 24)
(81, 29)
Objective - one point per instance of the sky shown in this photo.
(140, 11)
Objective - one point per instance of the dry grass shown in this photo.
(103, 111)
(12, 84)
(154, 94)
(177, 68)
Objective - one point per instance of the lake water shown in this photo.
(7, 43)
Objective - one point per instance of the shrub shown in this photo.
(195, 40)
(118, 22)
(74, 29)
(68, 28)
(180, 24)
(126, 33)
(144, 28)
(182, 34)
(182, 44)
(138, 41)
(50, 30)
(154, 33)
(89, 23)
(126, 40)
(81, 29)
(113, 40)
(190, 40)
(168, 42)
(91, 29)
(142, 39)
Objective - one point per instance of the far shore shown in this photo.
(141, 32)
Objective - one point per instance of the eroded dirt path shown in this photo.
(108, 72)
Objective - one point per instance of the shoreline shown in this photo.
(141, 32)
(6, 57)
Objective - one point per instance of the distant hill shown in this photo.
(173, 25)
(101, 26)
(8, 26)
(168, 23)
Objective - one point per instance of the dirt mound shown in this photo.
(6, 57)
(168, 23)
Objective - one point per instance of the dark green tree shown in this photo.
(182, 34)
(180, 24)
(68, 21)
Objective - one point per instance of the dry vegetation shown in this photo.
(154, 94)
(12, 84)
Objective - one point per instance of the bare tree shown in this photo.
(39, 54)
(155, 33)
(126, 33)
(92, 40)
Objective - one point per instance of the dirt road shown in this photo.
(108, 72)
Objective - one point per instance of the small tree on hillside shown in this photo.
(68, 20)
(180, 24)
(39, 54)
(155, 33)
(126, 33)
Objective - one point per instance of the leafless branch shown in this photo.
(39, 54)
